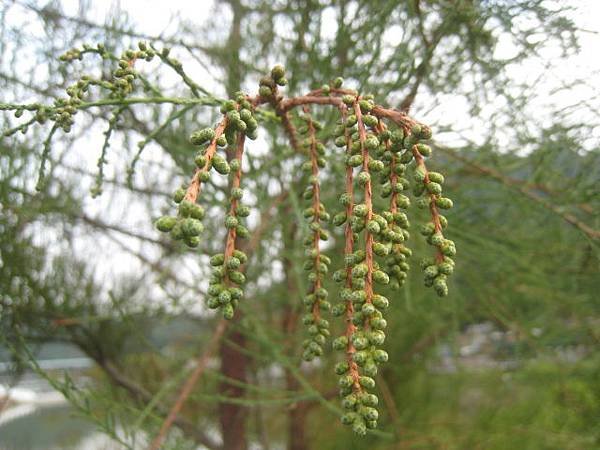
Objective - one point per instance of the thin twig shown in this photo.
(188, 386)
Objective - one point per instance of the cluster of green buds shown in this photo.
(392, 244)
(428, 189)
(187, 225)
(240, 118)
(317, 264)
(227, 279)
(268, 84)
(361, 305)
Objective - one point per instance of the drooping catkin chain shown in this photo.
(316, 263)
(193, 189)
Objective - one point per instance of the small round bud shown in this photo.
(166, 223)
(381, 277)
(444, 202)
(217, 260)
(231, 222)
(179, 195)
(278, 72)
(265, 91)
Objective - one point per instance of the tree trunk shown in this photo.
(233, 365)
(297, 439)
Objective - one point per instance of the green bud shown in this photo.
(200, 160)
(378, 324)
(363, 178)
(380, 356)
(367, 382)
(359, 427)
(202, 136)
(424, 149)
(381, 277)
(348, 99)
(242, 211)
(368, 309)
(440, 287)
(375, 165)
(166, 223)
(241, 256)
(373, 227)
(369, 399)
(380, 301)
(191, 227)
(444, 202)
(237, 277)
(179, 195)
(376, 337)
(365, 105)
(222, 141)
(340, 343)
(370, 120)
(242, 231)
(359, 271)
(237, 193)
(231, 221)
(338, 82)
(224, 297)
(278, 72)
(380, 249)
(265, 91)
(371, 143)
(228, 311)
(360, 358)
(192, 241)
(446, 268)
(345, 381)
(339, 219)
(436, 177)
(360, 210)
(369, 413)
(340, 141)
(341, 368)
(359, 342)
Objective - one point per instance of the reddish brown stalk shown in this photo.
(290, 103)
(237, 178)
(193, 190)
(393, 175)
(348, 250)
(317, 209)
(435, 215)
(368, 203)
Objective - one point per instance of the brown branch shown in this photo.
(433, 210)
(317, 210)
(187, 388)
(368, 202)
(193, 190)
(237, 178)
(348, 250)
(514, 184)
(141, 394)
(220, 330)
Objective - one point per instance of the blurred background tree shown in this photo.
(509, 360)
